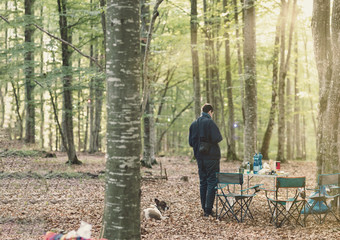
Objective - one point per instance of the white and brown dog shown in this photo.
(154, 211)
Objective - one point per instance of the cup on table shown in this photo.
(278, 166)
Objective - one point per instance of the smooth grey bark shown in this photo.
(331, 143)
(195, 58)
(122, 189)
(250, 98)
(29, 73)
(323, 57)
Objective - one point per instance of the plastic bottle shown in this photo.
(260, 160)
(248, 167)
(256, 164)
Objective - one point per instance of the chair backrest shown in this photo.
(229, 178)
(329, 179)
(290, 182)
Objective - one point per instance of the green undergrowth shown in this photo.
(25, 153)
(51, 175)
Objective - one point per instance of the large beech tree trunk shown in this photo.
(122, 195)
(326, 37)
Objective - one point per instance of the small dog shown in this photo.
(154, 211)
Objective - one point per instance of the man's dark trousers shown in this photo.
(207, 173)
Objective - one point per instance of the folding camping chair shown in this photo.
(320, 202)
(287, 205)
(230, 196)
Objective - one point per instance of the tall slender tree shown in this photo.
(231, 145)
(195, 59)
(29, 72)
(273, 107)
(122, 194)
(250, 97)
(67, 82)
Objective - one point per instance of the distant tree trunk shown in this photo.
(239, 56)
(2, 105)
(309, 90)
(96, 110)
(231, 155)
(303, 139)
(281, 92)
(29, 74)
(288, 117)
(17, 108)
(250, 101)
(42, 101)
(323, 56)
(284, 65)
(148, 139)
(207, 55)
(275, 62)
(67, 83)
(195, 59)
(79, 112)
(297, 132)
(122, 214)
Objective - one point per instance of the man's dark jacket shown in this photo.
(208, 129)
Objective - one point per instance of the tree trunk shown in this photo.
(67, 83)
(250, 100)
(323, 56)
(269, 130)
(148, 139)
(284, 65)
(195, 60)
(29, 74)
(42, 101)
(289, 112)
(239, 56)
(207, 55)
(331, 140)
(297, 132)
(231, 155)
(122, 195)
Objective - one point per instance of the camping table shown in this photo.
(273, 176)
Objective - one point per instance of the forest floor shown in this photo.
(40, 194)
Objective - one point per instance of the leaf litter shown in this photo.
(31, 206)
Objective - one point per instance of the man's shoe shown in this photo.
(212, 213)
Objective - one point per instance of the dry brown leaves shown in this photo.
(29, 207)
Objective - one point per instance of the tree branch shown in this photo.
(3, 18)
(69, 44)
(173, 120)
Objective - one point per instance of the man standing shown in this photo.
(205, 130)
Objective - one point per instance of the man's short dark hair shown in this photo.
(207, 107)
